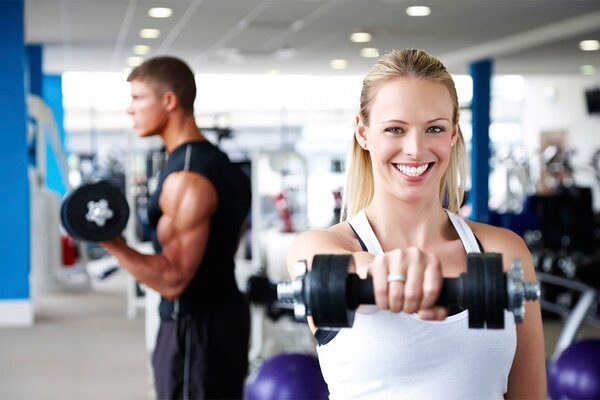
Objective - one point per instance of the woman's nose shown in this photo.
(414, 144)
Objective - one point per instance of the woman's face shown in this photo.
(409, 137)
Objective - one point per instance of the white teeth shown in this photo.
(412, 171)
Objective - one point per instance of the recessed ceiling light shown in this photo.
(418, 11)
(149, 33)
(273, 72)
(141, 49)
(587, 69)
(134, 61)
(160, 12)
(589, 45)
(285, 53)
(361, 37)
(338, 63)
(296, 26)
(369, 52)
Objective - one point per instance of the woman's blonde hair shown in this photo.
(410, 63)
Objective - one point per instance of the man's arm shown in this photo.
(188, 200)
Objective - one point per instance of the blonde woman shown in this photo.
(405, 184)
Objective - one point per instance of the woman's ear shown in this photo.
(455, 132)
(360, 132)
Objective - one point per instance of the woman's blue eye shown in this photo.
(394, 130)
(436, 129)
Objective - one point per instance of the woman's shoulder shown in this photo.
(490, 232)
(336, 239)
(338, 235)
(499, 240)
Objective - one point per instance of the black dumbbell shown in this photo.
(260, 290)
(94, 212)
(331, 295)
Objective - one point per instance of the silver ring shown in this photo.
(396, 278)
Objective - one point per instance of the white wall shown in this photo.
(275, 111)
(558, 103)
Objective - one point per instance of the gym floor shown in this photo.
(83, 346)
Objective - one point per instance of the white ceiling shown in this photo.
(522, 36)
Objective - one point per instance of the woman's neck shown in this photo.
(403, 224)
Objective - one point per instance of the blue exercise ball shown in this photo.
(287, 376)
(575, 373)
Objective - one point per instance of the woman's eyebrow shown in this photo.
(399, 121)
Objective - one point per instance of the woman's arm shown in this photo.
(327, 241)
(527, 379)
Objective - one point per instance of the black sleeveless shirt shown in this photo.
(214, 283)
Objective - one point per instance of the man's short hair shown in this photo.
(165, 74)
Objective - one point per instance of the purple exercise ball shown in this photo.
(287, 376)
(575, 373)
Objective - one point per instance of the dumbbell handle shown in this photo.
(360, 291)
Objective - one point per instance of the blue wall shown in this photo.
(14, 188)
(52, 89)
(481, 73)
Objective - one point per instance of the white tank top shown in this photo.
(398, 356)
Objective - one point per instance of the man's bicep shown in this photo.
(190, 201)
(188, 198)
(186, 249)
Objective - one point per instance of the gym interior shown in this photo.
(278, 91)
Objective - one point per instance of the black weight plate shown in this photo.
(327, 286)
(75, 208)
(475, 287)
(315, 294)
(495, 291)
(63, 216)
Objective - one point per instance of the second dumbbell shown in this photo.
(94, 212)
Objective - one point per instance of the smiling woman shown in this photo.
(411, 129)
(404, 187)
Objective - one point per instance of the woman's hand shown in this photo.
(408, 280)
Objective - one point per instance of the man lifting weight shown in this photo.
(197, 212)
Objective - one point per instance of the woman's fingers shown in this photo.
(436, 313)
(432, 282)
(407, 280)
(413, 292)
(396, 280)
(378, 272)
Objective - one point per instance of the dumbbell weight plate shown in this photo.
(495, 291)
(327, 291)
(486, 290)
(475, 290)
(76, 205)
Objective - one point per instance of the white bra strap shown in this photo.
(465, 233)
(362, 227)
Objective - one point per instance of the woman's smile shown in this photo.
(413, 169)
